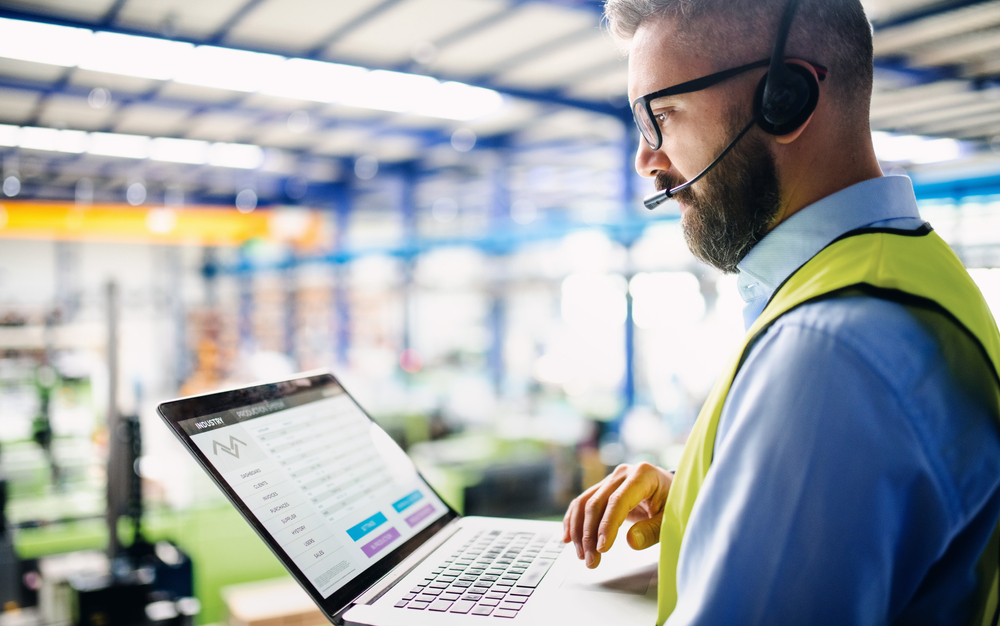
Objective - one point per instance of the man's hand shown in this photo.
(635, 493)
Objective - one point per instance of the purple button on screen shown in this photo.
(380, 542)
(415, 519)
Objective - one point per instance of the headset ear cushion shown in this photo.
(799, 118)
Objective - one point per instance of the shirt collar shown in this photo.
(801, 236)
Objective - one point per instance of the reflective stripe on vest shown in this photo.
(917, 265)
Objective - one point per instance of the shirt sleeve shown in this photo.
(834, 488)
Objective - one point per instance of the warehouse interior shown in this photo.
(434, 199)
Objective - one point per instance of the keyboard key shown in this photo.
(472, 596)
(504, 613)
(513, 606)
(440, 605)
(409, 596)
(516, 599)
(534, 574)
(496, 595)
(458, 583)
(482, 610)
(518, 591)
(489, 602)
(416, 590)
(450, 596)
(420, 606)
(400, 604)
(437, 585)
(462, 606)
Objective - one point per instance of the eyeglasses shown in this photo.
(642, 109)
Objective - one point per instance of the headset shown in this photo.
(785, 98)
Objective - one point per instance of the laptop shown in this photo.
(348, 514)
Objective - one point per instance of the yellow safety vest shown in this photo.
(913, 267)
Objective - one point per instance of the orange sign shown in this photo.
(213, 225)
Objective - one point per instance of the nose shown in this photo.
(649, 162)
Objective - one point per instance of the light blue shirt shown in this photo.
(853, 480)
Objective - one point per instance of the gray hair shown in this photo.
(834, 33)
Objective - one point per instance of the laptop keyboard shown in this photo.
(493, 573)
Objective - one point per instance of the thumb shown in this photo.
(645, 533)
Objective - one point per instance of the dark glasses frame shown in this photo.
(642, 109)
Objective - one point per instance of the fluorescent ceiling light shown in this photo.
(9, 135)
(318, 81)
(125, 146)
(225, 68)
(43, 43)
(179, 150)
(392, 91)
(892, 148)
(238, 155)
(459, 101)
(240, 70)
(143, 57)
(33, 138)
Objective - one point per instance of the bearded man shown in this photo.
(846, 467)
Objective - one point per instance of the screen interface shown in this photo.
(332, 488)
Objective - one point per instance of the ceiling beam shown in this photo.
(474, 28)
(532, 54)
(925, 12)
(345, 29)
(111, 14)
(237, 16)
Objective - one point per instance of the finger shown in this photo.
(645, 533)
(575, 514)
(576, 526)
(639, 486)
(596, 506)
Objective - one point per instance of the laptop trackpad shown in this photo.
(622, 570)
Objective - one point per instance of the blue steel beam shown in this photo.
(111, 14)
(533, 53)
(342, 307)
(346, 29)
(472, 29)
(925, 12)
(223, 30)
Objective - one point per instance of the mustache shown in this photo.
(665, 180)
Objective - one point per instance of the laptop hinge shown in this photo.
(405, 566)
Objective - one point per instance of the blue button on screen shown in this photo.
(407, 500)
(360, 530)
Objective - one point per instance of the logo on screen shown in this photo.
(232, 449)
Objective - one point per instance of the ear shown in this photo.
(792, 136)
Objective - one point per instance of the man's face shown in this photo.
(729, 210)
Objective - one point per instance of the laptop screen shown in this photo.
(331, 489)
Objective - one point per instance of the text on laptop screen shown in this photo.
(335, 492)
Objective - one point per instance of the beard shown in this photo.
(733, 206)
